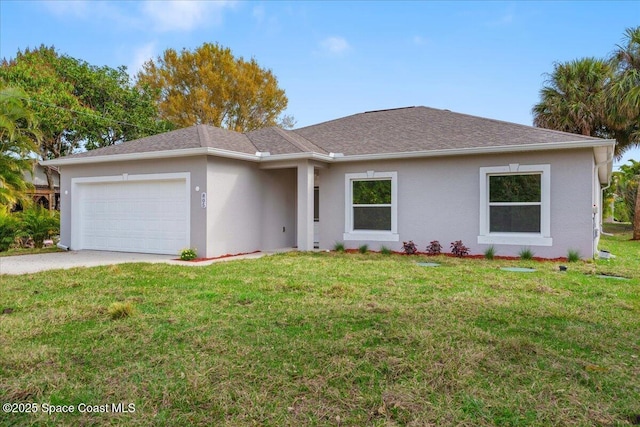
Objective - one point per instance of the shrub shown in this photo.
(188, 254)
(409, 247)
(526, 254)
(338, 247)
(459, 249)
(434, 248)
(8, 229)
(363, 249)
(490, 252)
(573, 255)
(120, 310)
(385, 250)
(39, 224)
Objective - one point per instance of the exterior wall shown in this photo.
(438, 199)
(249, 209)
(196, 166)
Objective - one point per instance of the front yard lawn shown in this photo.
(326, 339)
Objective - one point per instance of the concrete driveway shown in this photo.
(23, 264)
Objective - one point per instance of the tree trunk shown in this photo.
(636, 216)
(50, 181)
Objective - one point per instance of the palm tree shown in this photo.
(18, 134)
(625, 185)
(573, 98)
(624, 102)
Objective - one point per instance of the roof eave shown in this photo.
(323, 157)
(150, 155)
(477, 150)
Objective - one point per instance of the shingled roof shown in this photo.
(401, 130)
(412, 129)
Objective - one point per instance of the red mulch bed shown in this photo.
(218, 257)
(499, 257)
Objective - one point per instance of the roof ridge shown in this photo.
(285, 134)
(509, 123)
(203, 135)
(390, 109)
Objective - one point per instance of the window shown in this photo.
(371, 206)
(316, 204)
(514, 205)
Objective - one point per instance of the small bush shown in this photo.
(434, 248)
(385, 250)
(363, 249)
(526, 254)
(8, 229)
(120, 310)
(338, 247)
(459, 249)
(490, 252)
(188, 254)
(573, 255)
(39, 224)
(409, 247)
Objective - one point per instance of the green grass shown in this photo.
(30, 251)
(328, 339)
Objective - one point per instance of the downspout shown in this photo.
(596, 169)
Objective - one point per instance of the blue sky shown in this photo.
(339, 58)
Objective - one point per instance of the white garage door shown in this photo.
(132, 216)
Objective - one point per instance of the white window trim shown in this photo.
(530, 239)
(372, 235)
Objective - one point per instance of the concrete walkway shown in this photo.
(24, 264)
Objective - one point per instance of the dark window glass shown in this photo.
(316, 204)
(376, 192)
(515, 219)
(372, 218)
(515, 188)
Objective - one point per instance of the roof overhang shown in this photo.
(603, 158)
(602, 149)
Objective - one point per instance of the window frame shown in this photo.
(372, 235)
(542, 238)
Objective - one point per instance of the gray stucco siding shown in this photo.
(438, 199)
(250, 209)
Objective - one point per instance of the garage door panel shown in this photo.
(138, 216)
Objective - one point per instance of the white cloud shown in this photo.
(141, 55)
(420, 41)
(335, 45)
(184, 15)
(78, 9)
(259, 13)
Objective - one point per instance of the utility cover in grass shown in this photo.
(428, 264)
(518, 269)
(605, 276)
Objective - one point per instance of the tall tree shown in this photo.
(624, 186)
(597, 98)
(624, 101)
(18, 131)
(209, 85)
(79, 105)
(573, 99)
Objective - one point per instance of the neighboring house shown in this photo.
(376, 178)
(42, 195)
